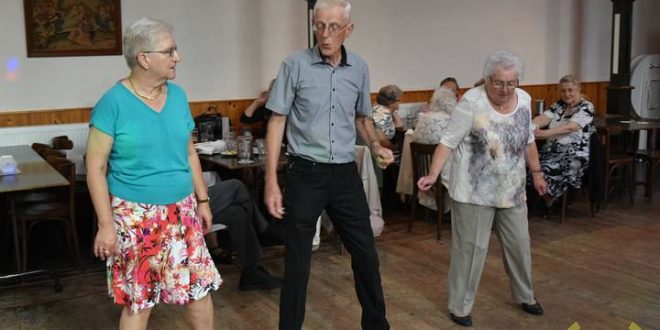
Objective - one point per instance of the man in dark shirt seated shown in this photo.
(233, 207)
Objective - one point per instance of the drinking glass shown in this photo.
(245, 151)
(260, 144)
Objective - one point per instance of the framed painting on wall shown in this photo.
(72, 27)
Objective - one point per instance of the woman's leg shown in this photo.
(134, 321)
(199, 313)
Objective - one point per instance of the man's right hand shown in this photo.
(273, 200)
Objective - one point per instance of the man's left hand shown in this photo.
(383, 155)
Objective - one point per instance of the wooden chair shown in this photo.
(422, 155)
(619, 162)
(62, 143)
(58, 204)
(592, 181)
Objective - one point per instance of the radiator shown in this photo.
(26, 135)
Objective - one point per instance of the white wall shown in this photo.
(232, 48)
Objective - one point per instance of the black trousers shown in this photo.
(337, 188)
(232, 205)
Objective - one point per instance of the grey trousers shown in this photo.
(471, 228)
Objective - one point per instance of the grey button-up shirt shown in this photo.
(321, 103)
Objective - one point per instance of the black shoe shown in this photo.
(464, 321)
(534, 309)
(258, 279)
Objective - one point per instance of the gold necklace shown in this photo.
(146, 97)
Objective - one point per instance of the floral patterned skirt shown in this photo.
(162, 255)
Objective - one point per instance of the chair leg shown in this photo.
(606, 189)
(650, 179)
(73, 237)
(631, 179)
(415, 200)
(441, 209)
(563, 206)
(592, 207)
(24, 245)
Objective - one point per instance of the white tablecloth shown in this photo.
(366, 169)
(404, 184)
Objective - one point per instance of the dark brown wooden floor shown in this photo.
(602, 273)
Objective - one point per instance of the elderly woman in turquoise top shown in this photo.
(147, 188)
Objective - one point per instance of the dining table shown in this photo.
(249, 170)
(33, 173)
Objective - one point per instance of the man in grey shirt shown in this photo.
(323, 93)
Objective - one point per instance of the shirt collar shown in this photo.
(317, 58)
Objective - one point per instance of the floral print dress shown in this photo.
(163, 256)
(565, 159)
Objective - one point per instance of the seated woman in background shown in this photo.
(386, 121)
(257, 112)
(430, 127)
(432, 123)
(565, 154)
(451, 84)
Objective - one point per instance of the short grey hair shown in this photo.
(326, 4)
(503, 60)
(388, 95)
(443, 99)
(141, 36)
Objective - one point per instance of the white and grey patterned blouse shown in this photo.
(488, 161)
(383, 121)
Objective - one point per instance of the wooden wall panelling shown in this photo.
(596, 92)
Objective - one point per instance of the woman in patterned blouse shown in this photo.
(565, 155)
(386, 121)
(491, 141)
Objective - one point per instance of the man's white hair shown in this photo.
(325, 4)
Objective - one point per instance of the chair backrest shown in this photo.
(62, 142)
(422, 157)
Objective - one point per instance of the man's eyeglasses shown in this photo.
(169, 52)
(333, 29)
(498, 84)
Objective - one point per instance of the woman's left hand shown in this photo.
(205, 215)
(539, 183)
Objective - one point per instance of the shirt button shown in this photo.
(333, 141)
(333, 89)
(333, 106)
(332, 124)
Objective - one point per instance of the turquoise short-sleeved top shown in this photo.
(148, 162)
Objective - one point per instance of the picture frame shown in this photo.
(72, 27)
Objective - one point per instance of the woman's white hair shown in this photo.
(443, 99)
(325, 4)
(503, 60)
(143, 35)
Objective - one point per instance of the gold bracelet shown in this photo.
(203, 200)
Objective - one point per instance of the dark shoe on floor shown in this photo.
(464, 321)
(258, 279)
(534, 309)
